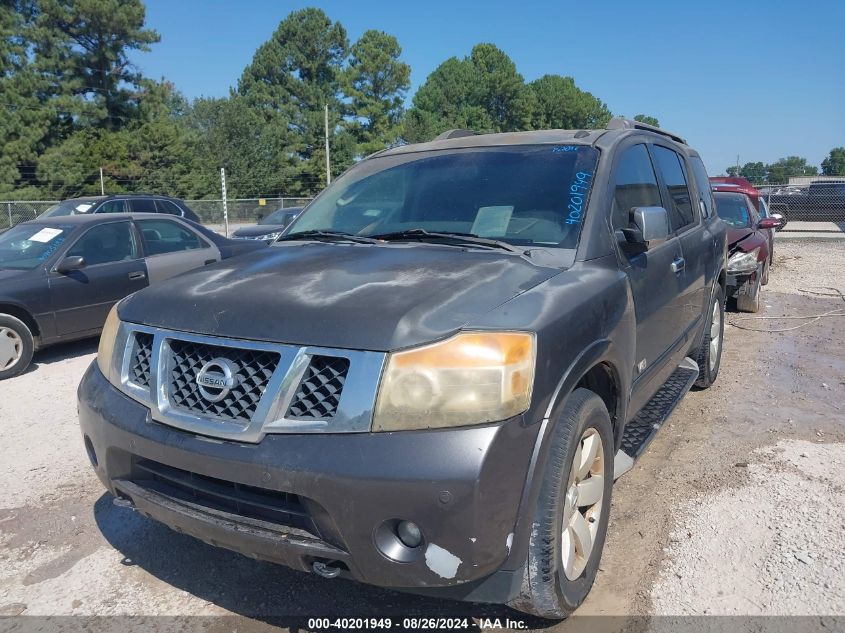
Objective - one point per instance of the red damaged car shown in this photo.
(748, 248)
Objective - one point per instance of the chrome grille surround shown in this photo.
(270, 413)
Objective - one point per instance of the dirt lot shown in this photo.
(738, 507)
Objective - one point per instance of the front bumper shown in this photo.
(462, 487)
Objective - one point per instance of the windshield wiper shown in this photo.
(448, 237)
(328, 236)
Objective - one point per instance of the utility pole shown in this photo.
(225, 203)
(328, 162)
(102, 186)
(737, 164)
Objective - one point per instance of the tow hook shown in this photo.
(325, 569)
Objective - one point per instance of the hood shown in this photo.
(736, 235)
(367, 297)
(7, 274)
(258, 229)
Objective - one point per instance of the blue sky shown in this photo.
(757, 79)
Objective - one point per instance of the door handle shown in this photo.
(678, 264)
(138, 274)
(210, 261)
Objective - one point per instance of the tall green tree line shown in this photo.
(780, 171)
(73, 102)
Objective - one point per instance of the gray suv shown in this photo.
(431, 381)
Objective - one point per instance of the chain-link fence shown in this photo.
(15, 212)
(211, 212)
(820, 200)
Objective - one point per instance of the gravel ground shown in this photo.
(736, 508)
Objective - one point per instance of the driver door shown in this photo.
(113, 269)
(656, 287)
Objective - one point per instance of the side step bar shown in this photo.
(641, 430)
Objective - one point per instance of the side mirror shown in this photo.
(651, 227)
(69, 264)
(770, 223)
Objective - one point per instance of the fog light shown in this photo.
(409, 533)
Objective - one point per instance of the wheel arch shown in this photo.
(597, 368)
(22, 314)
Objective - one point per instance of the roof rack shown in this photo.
(621, 123)
(454, 134)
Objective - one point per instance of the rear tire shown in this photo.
(16, 346)
(748, 297)
(709, 355)
(560, 570)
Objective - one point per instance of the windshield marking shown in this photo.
(576, 197)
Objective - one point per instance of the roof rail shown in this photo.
(454, 134)
(621, 123)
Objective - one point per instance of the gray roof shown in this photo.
(534, 137)
(616, 126)
(93, 218)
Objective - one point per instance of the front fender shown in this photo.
(582, 317)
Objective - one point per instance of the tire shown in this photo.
(765, 279)
(748, 296)
(16, 346)
(547, 591)
(709, 358)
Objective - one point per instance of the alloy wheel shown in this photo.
(583, 504)
(715, 334)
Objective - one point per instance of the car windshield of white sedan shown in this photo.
(733, 210)
(69, 207)
(523, 195)
(27, 246)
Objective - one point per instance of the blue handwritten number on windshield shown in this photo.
(577, 190)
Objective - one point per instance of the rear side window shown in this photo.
(702, 182)
(681, 212)
(143, 205)
(634, 185)
(164, 236)
(165, 206)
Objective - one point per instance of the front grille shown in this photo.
(319, 392)
(140, 358)
(254, 369)
(262, 504)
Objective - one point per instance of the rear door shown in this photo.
(685, 222)
(171, 247)
(113, 269)
(656, 288)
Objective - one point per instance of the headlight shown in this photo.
(472, 378)
(272, 236)
(105, 352)
(743, 262)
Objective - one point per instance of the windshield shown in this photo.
(27, 246)
(69, 207)
(523, 195)
(733, 210)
